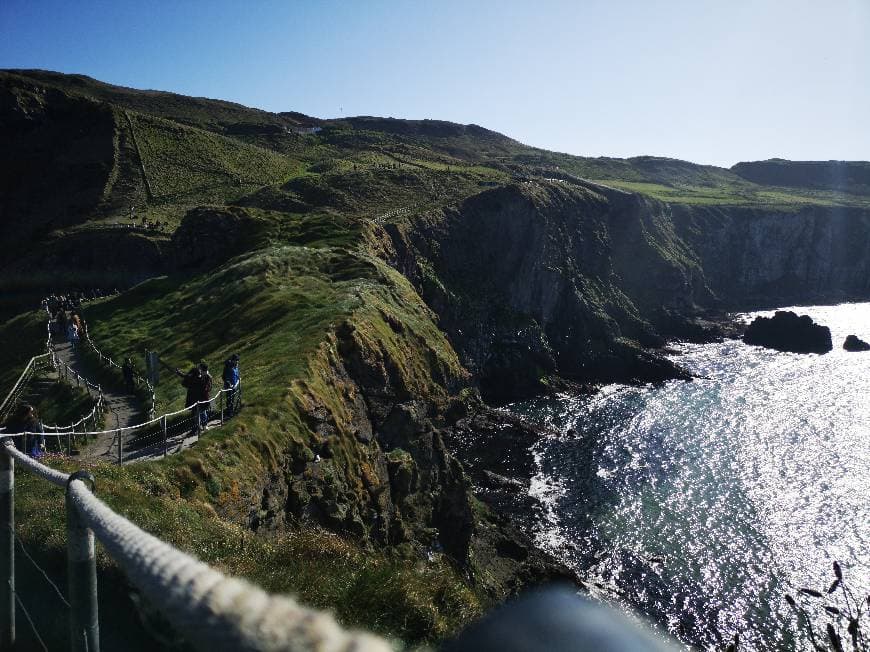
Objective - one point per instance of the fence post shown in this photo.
(120, 447)
(222, 406)
(84, 622)
(7, 551)
(69, 440)
(165, 437)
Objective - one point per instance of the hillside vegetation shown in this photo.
(379, 278)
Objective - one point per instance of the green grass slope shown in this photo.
(186, 165)
(280, 307)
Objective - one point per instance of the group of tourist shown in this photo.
(66, 319)
(198, 383)
(69, 324)
(65, 311)
(73, 299)
(153, 225)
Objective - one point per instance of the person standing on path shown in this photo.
(205, 394)
(193, 382)
(231, 382)
(26, 419)
(60, 320)
(190, 381)
(128, 372)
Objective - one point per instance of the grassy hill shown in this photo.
(850, 177)
(307, 246)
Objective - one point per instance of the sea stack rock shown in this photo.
(785, 331)
(854, 343)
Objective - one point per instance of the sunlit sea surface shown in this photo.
(700, 504)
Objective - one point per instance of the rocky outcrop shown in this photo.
(786, 331)
(854, 343)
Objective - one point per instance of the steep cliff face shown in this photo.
(524, 282)
(565, 278)
(763, 257)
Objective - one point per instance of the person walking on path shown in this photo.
(231, 382)
(128, 372)
(60, 321)
(72, 334)
(80, 323)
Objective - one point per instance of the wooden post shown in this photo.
(82, 573)
(7, 551)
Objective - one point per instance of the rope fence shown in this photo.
(211, 610)
(156, 437)
(36, 363)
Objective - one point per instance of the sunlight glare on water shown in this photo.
(700, 504)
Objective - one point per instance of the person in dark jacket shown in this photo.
(231, 382)
(26, 419)
(192, 382)
(204, 394)
(127, 370)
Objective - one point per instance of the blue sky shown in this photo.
(711, 81)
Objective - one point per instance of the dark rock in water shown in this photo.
(854, 343)
(785, 331)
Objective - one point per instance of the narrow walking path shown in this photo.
(125, 409)
(122, 409)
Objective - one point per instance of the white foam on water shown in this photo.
(702, 503)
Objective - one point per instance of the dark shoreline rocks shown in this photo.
(854, 343)
(494, 447)
(786, 331)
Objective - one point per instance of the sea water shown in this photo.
(699, 505)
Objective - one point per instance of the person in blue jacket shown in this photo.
(231, 382)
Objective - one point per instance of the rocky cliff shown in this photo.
(525, 281)
(758, 257)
